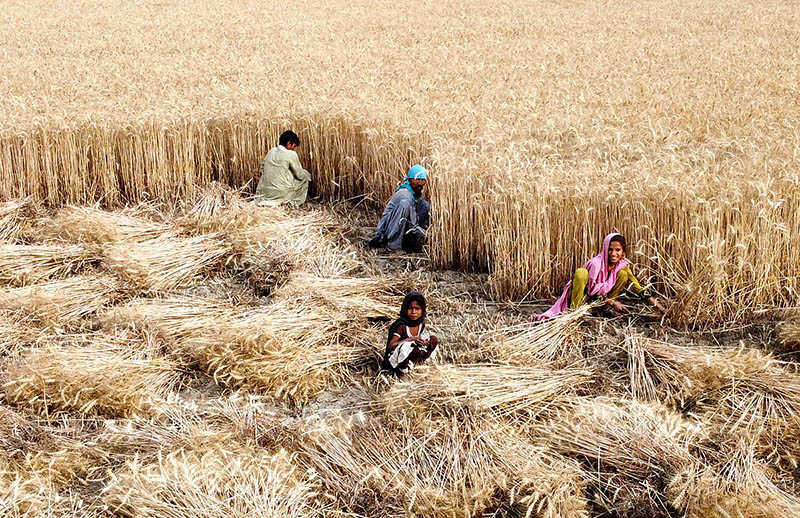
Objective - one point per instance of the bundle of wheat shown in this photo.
(217, 208)
(220, 480)
(740, 485)
(758, 392)
(305, 241)
(147, 437)
(290, 352)
(458, 466)
(175, 318)
(251, 418)
(288, 348)
(30, 264)
(97, 226)
(501, 389)
(543, 483)
(165, 264)
(626, 444)
(188, 423)
(65, 301)
(356, 297)
(552, 341)
(789, 334)
(739, 389)
(12, 215)
(91, 374)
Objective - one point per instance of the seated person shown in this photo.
(283, 179)
(405, 221)
(603, 276)
(409, 342)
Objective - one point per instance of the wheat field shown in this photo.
(545, 126)
(217, 359)
(168, 349)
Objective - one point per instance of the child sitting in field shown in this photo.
(604, 275)
(409, 342)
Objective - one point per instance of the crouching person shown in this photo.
(409, 343)
(603, 277)
(404, 224)
(283, 179)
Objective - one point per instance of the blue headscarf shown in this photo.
(417, 172)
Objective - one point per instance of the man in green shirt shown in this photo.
(283, 179)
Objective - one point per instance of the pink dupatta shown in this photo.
(600, 279)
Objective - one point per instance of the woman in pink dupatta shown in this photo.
(604, 275)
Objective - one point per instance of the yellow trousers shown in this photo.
(625, 279)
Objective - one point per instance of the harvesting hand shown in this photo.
(617, 306)
(656, 304)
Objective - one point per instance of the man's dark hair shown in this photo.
(619, 238)
(289, 137)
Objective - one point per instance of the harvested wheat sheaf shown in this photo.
(551, 341)
(91, 375)
(292, 353)
(12, 215)
(175, 317)
(222, 480)
(740, 485)
(22, 265)
(67, 301)
(630, 450)
(165, 264)
(501, 389)
(355, 297)
(737, 389)
(217, 208)
(456, 466)
(95, 226)
(277, 239)
(305, 242)
(638, 439)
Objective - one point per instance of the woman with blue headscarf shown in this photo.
(405, 220)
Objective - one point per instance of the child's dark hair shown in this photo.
(289, 137)
(619, 238)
